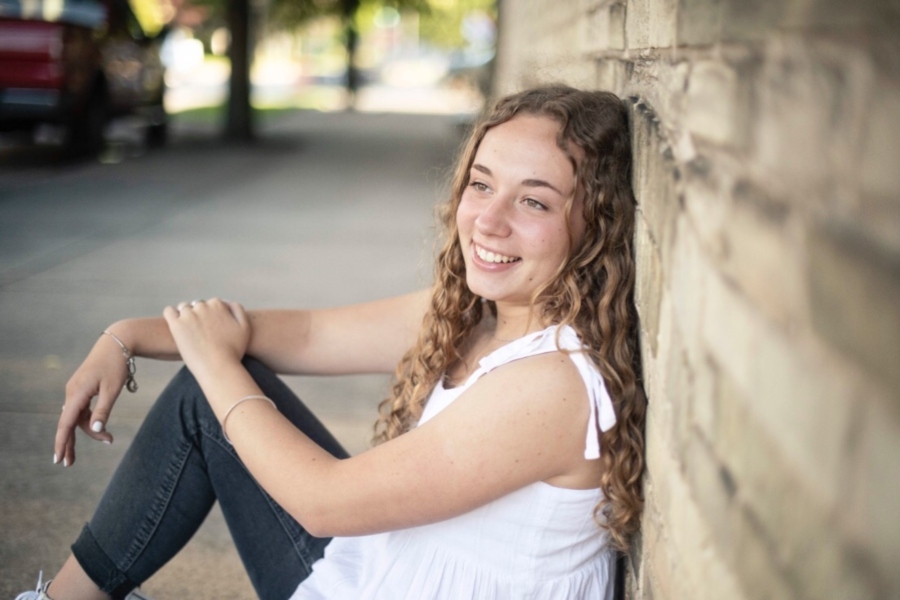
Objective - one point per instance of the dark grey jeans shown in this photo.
(177, 467)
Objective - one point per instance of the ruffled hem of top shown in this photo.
(443, 575)
(429, 571)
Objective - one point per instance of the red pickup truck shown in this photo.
(78, 63)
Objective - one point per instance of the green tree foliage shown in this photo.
(442, 23)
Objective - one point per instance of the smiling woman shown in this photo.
(509, 454)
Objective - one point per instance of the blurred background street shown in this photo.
(282, 154)
(324, 208)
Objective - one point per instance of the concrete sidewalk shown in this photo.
(324, 210)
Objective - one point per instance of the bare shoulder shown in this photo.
(539, 398)
(550, 379)
(549, 406)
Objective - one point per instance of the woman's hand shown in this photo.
(102, 374)
(209, 334)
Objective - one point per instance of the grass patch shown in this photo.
(216, 114)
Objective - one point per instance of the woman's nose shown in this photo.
(493, 219)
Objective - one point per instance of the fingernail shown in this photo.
(66, 462)
(55, 458)
(97, 427)
(107, 442)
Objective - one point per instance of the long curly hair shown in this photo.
(592, 292)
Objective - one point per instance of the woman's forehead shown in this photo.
(533, 130)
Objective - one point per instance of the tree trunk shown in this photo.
(239, 123)
(351, 41)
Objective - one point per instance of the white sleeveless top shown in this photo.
(539, 542)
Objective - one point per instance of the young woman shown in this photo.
(509, 453)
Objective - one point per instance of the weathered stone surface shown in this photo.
(699, 22)
(688, 271)
(794, 112)
(765, 254)
(708, 207)
(802, 404)
(780, 514)
(863, 15)
(714, 107)
(854, 291)
(612, 75)
(650, 23)
(654, 178)
(872, 508)
(603, 28)
(879, 175)
(704, 402)
(752, 20)
(648, 286)
(695, 570)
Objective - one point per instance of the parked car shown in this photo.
(78, 63)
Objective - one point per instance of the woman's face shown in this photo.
(512, 215)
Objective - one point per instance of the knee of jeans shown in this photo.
(185, 395)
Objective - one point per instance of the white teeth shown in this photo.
(493, 258)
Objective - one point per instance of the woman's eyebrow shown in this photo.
(482, 168)
(525, 182)
(540, 183)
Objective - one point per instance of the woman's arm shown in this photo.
(365, 338)
(521, 423)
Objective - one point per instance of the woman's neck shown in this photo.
(492, 333)
(511, 323)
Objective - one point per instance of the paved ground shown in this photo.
(325, 209)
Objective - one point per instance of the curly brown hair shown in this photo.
(592, 292)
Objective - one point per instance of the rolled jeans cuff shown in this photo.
(99, 567)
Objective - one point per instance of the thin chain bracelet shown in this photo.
(235, 405)
(130, 384)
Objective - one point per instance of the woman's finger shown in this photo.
(237, 310)
(171, 313)
(65, 429)
(69, 452)
(99, 417)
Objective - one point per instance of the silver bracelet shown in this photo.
(235, 405)
(130, 384)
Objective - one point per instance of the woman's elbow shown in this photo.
(318, 519)
(322, 525)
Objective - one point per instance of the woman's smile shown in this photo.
(484, 255)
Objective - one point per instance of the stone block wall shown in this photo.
(767, 170)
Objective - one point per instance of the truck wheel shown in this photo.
(85, 131)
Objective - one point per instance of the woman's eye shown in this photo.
(532, 203)
(479, 186)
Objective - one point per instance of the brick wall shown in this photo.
(767, 169)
